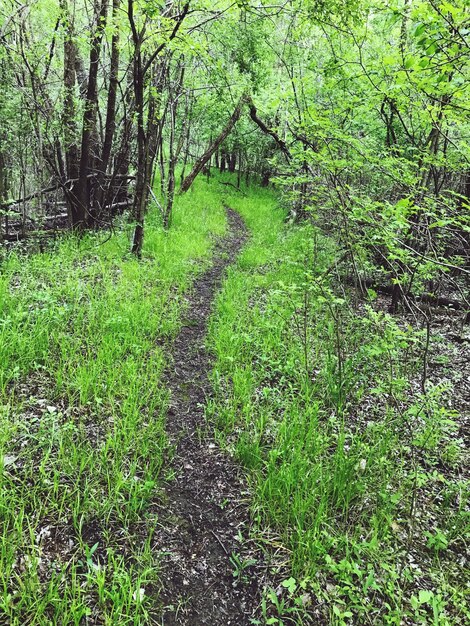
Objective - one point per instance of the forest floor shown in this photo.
(85, 337)
(221, 433)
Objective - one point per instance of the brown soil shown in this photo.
(206, 519)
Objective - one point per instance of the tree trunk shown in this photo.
(110, 125)
(171, 172)
(138, 82)
(89, 118)
(223, 162)
(145, 140)
(239, 173)
(268, 131)
(3, 191)
(68, 118)
(232, 163)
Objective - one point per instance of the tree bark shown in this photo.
(232, 162)
(89, 119)
(223, 162)
(110, 125)
(144, 141)
(68, 116)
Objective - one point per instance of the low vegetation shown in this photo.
(277, 194)
(356, 471)
(355, 461)
(82, 437)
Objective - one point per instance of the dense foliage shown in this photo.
(358, 110)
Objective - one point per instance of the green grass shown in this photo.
(82, 416)
(355, 475)
(354, 472)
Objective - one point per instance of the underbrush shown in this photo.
(357, 473)
(82, 408)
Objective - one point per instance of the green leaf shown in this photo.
(290, 584)
(425, 596)
(420, 30)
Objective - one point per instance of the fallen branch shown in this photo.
(67, 185)
(200, 163)
(31, 196)
(268, 131)
(234, 186)
(427, 298)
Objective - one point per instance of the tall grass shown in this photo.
(82, 415)
(314, 398)
(354, 473)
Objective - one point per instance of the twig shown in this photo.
(219, 541)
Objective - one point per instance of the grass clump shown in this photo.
(82, 416)
(353, 469)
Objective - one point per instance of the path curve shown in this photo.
(206, 504)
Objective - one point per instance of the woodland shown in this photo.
(234, 312)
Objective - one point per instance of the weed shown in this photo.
(82, 415)
(314, 397)
(240, 567)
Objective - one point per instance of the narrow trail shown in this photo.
(205, 507)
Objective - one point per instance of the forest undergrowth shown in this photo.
(83, 447)
(357, 464)
(321, 473)
(356, 469)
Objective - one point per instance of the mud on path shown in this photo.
(205, 505)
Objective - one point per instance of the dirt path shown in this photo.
(205, 508)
